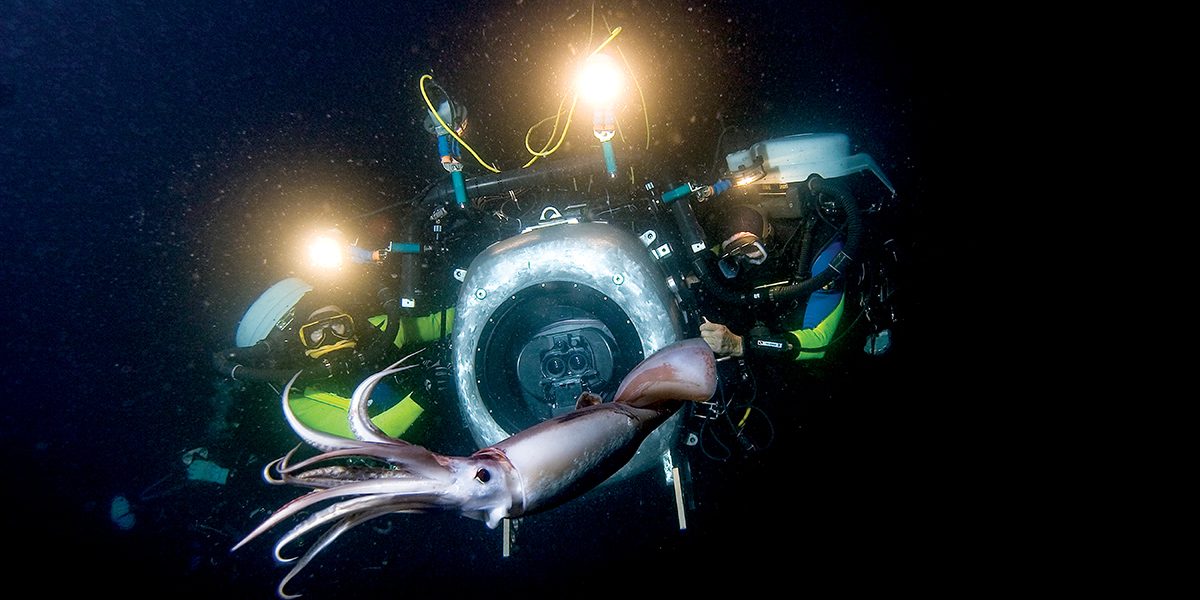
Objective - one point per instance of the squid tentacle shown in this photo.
(405, 456)
(333, 512)
(317, 439)
(266, 472)
(360, 422)
(322, 542)
(325, 441)
(391, 487)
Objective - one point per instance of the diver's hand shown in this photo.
(440, 379)
(722, 341)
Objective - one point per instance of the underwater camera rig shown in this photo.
(564, 276)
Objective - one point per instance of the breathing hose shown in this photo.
(230, 362)
(844, 259)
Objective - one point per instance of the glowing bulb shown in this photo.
(747, 180)
(749, 175)
(325, 252)
(600, 80)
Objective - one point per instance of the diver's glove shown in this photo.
(722, 341)
(761, 342)
(440, 379)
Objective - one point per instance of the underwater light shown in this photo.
(600, 80)
(749, 175)
(744, 175)
(326, 251)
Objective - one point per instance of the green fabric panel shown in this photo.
(397, 419)
(326, 412)
(820, 335)
(429, 327)
(418, 329)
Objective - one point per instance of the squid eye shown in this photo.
(483, 476)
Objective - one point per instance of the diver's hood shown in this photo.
(273, 305)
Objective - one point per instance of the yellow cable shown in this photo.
(539, 153)
(638, 85)
(605, 42)
(553, 132)
(449, 129)
(592, 23)
(745, 416)
(561, 138)
(558, 114)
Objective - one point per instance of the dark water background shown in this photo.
(157, 160)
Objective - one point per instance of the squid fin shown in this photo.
(681, 371)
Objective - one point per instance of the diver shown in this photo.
(751, 254)
(291, 328)
(755, 255)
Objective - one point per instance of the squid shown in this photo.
(534, 470)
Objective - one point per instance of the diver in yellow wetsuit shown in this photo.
(290, 329)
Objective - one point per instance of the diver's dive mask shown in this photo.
(743, 248)
(328, 334)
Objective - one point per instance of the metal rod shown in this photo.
(679, 498)
(507, 537)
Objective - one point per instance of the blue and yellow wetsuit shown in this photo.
(822, 311)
